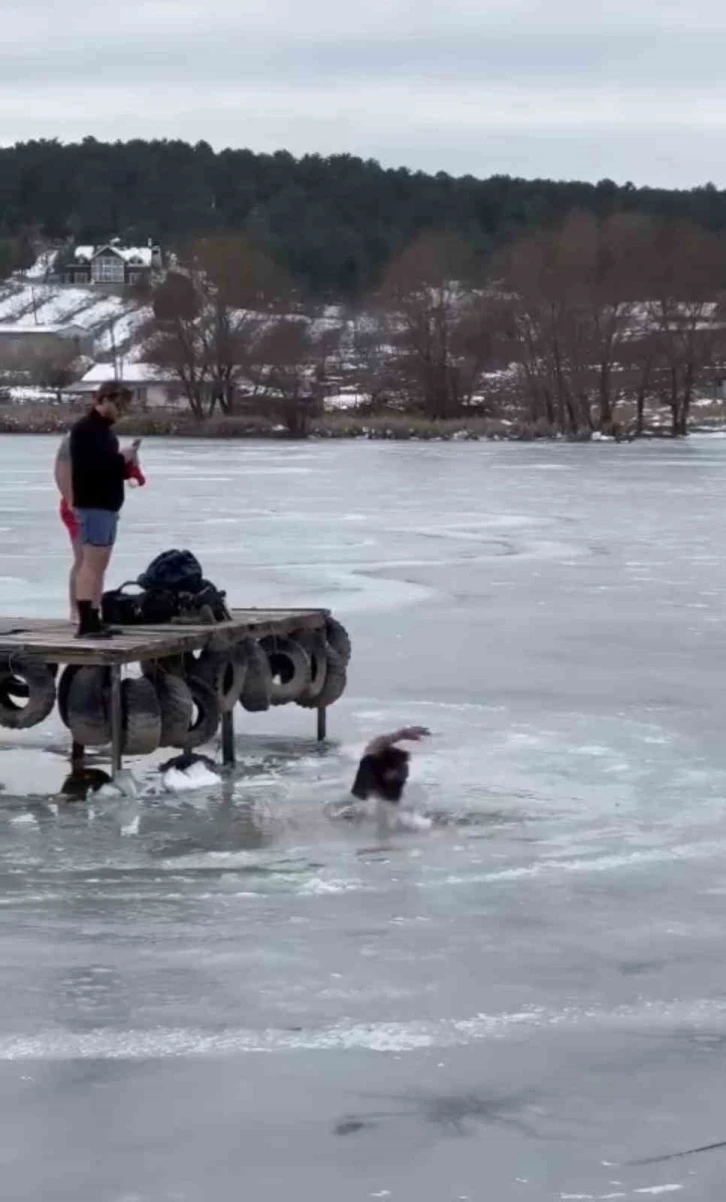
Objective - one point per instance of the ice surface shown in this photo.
(224, 985)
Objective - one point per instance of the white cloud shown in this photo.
(635, 89)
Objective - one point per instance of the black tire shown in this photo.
(173, 665)
(289, 667)
(17, 689)
(257, 691)
(224, 672)
(88, 707)
(140, 716)
(18, 673)
(205, 722)
(316, 648)
(176, 706)
(336, 678)
(64, 687)
(339, 639)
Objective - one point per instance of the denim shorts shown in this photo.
(98, 527)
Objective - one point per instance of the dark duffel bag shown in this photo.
(145, 607)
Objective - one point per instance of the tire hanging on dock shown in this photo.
(176, 707)
(173, 665)
(27, 692)
(339, 639)
(140, 716)
(224, 672)
(64, 686)
(206, 715)
(87, 705)
(316, 648)
(336, 678)
(257, 690)
(289, 665)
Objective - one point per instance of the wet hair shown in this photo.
(383, 774)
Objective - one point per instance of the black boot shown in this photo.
(105, 627)
(89, 622)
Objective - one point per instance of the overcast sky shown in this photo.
(626, 89)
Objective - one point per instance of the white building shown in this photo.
(24, 346)
(151, 387)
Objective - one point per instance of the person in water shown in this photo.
(384, 767)
(382, 776)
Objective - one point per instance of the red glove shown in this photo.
(134, 472)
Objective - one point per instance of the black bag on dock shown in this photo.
(144, 607)
(173, 586)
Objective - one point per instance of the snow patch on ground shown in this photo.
(116, 321)
(42, 266)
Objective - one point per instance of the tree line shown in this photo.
(583, 327)
(333, 223)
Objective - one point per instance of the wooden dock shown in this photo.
(53, 641)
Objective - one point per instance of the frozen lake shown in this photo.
(223, 996)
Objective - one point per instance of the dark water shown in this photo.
(221, 995)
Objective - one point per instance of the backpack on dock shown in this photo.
(173, 571)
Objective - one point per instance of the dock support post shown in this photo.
(116, 722)
(322, 723)
(228, 752)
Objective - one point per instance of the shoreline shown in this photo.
(53, 419)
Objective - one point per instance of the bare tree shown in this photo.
(56, 369)
(614, 267)
(640, 358)
(293, 358)
(437, 324)
(545, 305)
(600, 310)
(242, 288)
(373, 366)
(209, 316)
(687, 312)
(573, 293)
(175, 341)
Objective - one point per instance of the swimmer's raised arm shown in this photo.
(412, 734)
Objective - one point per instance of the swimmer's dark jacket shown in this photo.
(382, 774)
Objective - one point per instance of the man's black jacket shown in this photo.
(97, 465)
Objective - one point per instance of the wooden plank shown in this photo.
(252, 616)
(53, 639)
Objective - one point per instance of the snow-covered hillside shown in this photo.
(115, 322)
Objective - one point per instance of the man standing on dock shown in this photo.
(98, 470)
